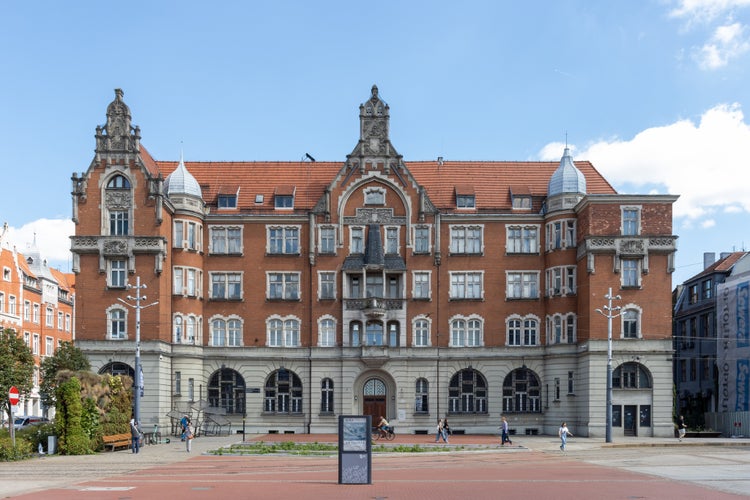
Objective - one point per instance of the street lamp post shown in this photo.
(610, 313)
(138, 382)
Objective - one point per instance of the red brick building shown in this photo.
(37, 302)
(294, 292)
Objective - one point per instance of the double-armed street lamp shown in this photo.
(138, 382)
(610, 313)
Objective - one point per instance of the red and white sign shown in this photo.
(13, 395)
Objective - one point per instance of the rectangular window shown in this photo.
(283, 286)
(466, 240)
(117, 273)
(60, 320)
(191, 288)
(422, 239)
(49, 346)
(226, 240)
(421, 285)
(177, 383)
(645, 416)
(35, 314)
(327, 285)
(630, 273)
(465, 201)
(570, 383)
(522, 239)
(67, 322)
(188, 235)
(27, 310)
(283, 240)
(2, 302)
(226, 286)
(327, 240)
(227, 201)
(35, 344)
(522, 285)
(421, 333)
(616, 415)
(49, 317)
(283, 201)
(12, 305)
(118, 223)
(191, 389)
(374, 286)
(466, 285)
(557, 389)
(708, 289)
(357, 239)
(178, 277)
(630, 221)
(391, 240)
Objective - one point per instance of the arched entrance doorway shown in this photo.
(374, 399)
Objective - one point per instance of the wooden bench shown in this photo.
(117, 440)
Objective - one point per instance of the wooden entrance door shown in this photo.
(375, 401)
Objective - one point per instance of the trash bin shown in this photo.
(51, 445)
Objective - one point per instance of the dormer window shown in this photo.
(227, 201)
(284, 197)
(465, 196)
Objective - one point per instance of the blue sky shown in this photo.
(653, 92)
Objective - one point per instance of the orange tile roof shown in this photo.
(491, 181)
(721, 266)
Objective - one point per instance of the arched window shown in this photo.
(177, 329)
(421, 335)
(283, 332)
(118, 182)
(118, 204)
(631, 376)
(327, 332)
(283, 392)
(234, 332)
(467, 392)
(422, 393)
(522, 331)
(326, 395)
(521, 392)
(117, 323)
(226, 389)
(218, 333)
(466, 332)
(118, 368)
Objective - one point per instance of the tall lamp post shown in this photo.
(610, 313)
(138, 382)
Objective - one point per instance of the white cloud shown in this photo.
(708, 223)
(705, 10)
(702, 163)
(52, 237)
(728, 42)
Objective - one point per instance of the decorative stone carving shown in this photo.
(115, 247)
(117, 199)
(375, 215)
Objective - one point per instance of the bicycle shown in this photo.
(387, 434)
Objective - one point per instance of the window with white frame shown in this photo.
(465, 201)
(631, 323)
(561, 328)
(466, 332)
(188, 235)
(117, 273)
(12, 305)
(357, 239)
(631, 273)
(226, 201)
(116, 323)
(283, 240)
(6, 273)
(283, 286)
(187, 281)
(391, 240)
(421, 332)
(49, 346)
(226, 286)
(327, 242)
(119, 222)
(225, 240)
(422, 239)
(522, 331)
(178, 328)
(561, 234)
(35, 313)
(49, 317)
(422, 396)
(225, 332)
(60, 320)
(327, 332)
(326, 396)
(466, 240)
(2, 302)
(561, 280)
(67, 322)
(283, 332)
(327, 285)
(467, 392)
(27, 310)
(421, 287)
(27, 338)
(522, 392)
(522, 284)
(466, 285)
(522, 239)
(631, 221)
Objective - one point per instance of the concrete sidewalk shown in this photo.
(55, 472)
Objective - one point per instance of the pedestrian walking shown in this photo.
(184, 424)
(563, 432)
(440, 431)
(188, 436)
(135, 434)
(505, 436)
(681, 428)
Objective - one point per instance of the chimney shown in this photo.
(724, 255)
(708, 259)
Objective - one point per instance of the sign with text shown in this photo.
(355, 449)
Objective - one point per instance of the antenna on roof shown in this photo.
(307, 155)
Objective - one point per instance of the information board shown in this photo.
(355, 449)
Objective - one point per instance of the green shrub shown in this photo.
(8, 453)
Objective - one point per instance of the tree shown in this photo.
(66, 357)
(16, 367)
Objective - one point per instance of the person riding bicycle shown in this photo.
(383, 426)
